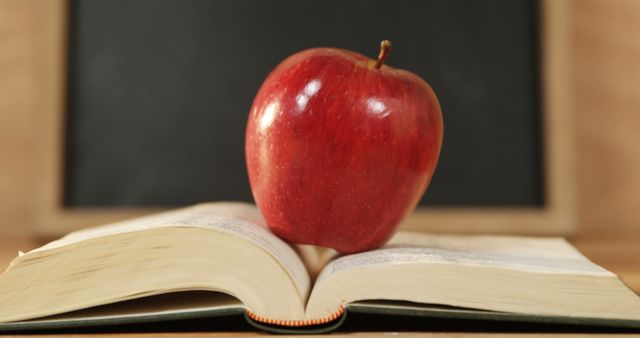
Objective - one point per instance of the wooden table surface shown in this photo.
(619, 254)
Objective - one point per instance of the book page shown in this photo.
(240, 219)
(545, 255)
(315, 258)
(168, 304)
(524, 275)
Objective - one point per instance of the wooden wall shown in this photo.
(606, 77)
(606, 87)
(18, 39)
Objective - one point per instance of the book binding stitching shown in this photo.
(296, 323)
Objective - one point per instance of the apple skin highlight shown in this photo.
(339, 151)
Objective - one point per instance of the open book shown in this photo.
(220, 259)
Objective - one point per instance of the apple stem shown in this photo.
(385, 49)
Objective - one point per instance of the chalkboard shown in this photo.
(159, 92)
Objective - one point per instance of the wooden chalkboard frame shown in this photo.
(556, 217)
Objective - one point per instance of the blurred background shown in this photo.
(604, 88)
(158, 92)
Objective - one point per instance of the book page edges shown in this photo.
(189, 248)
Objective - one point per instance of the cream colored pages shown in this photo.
(240, 219)
(546, 255)
(500, 273)
(177, 303)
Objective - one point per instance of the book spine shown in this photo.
(296, 323)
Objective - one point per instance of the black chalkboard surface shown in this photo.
(159, 92)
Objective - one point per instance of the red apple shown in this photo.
(340, 148)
